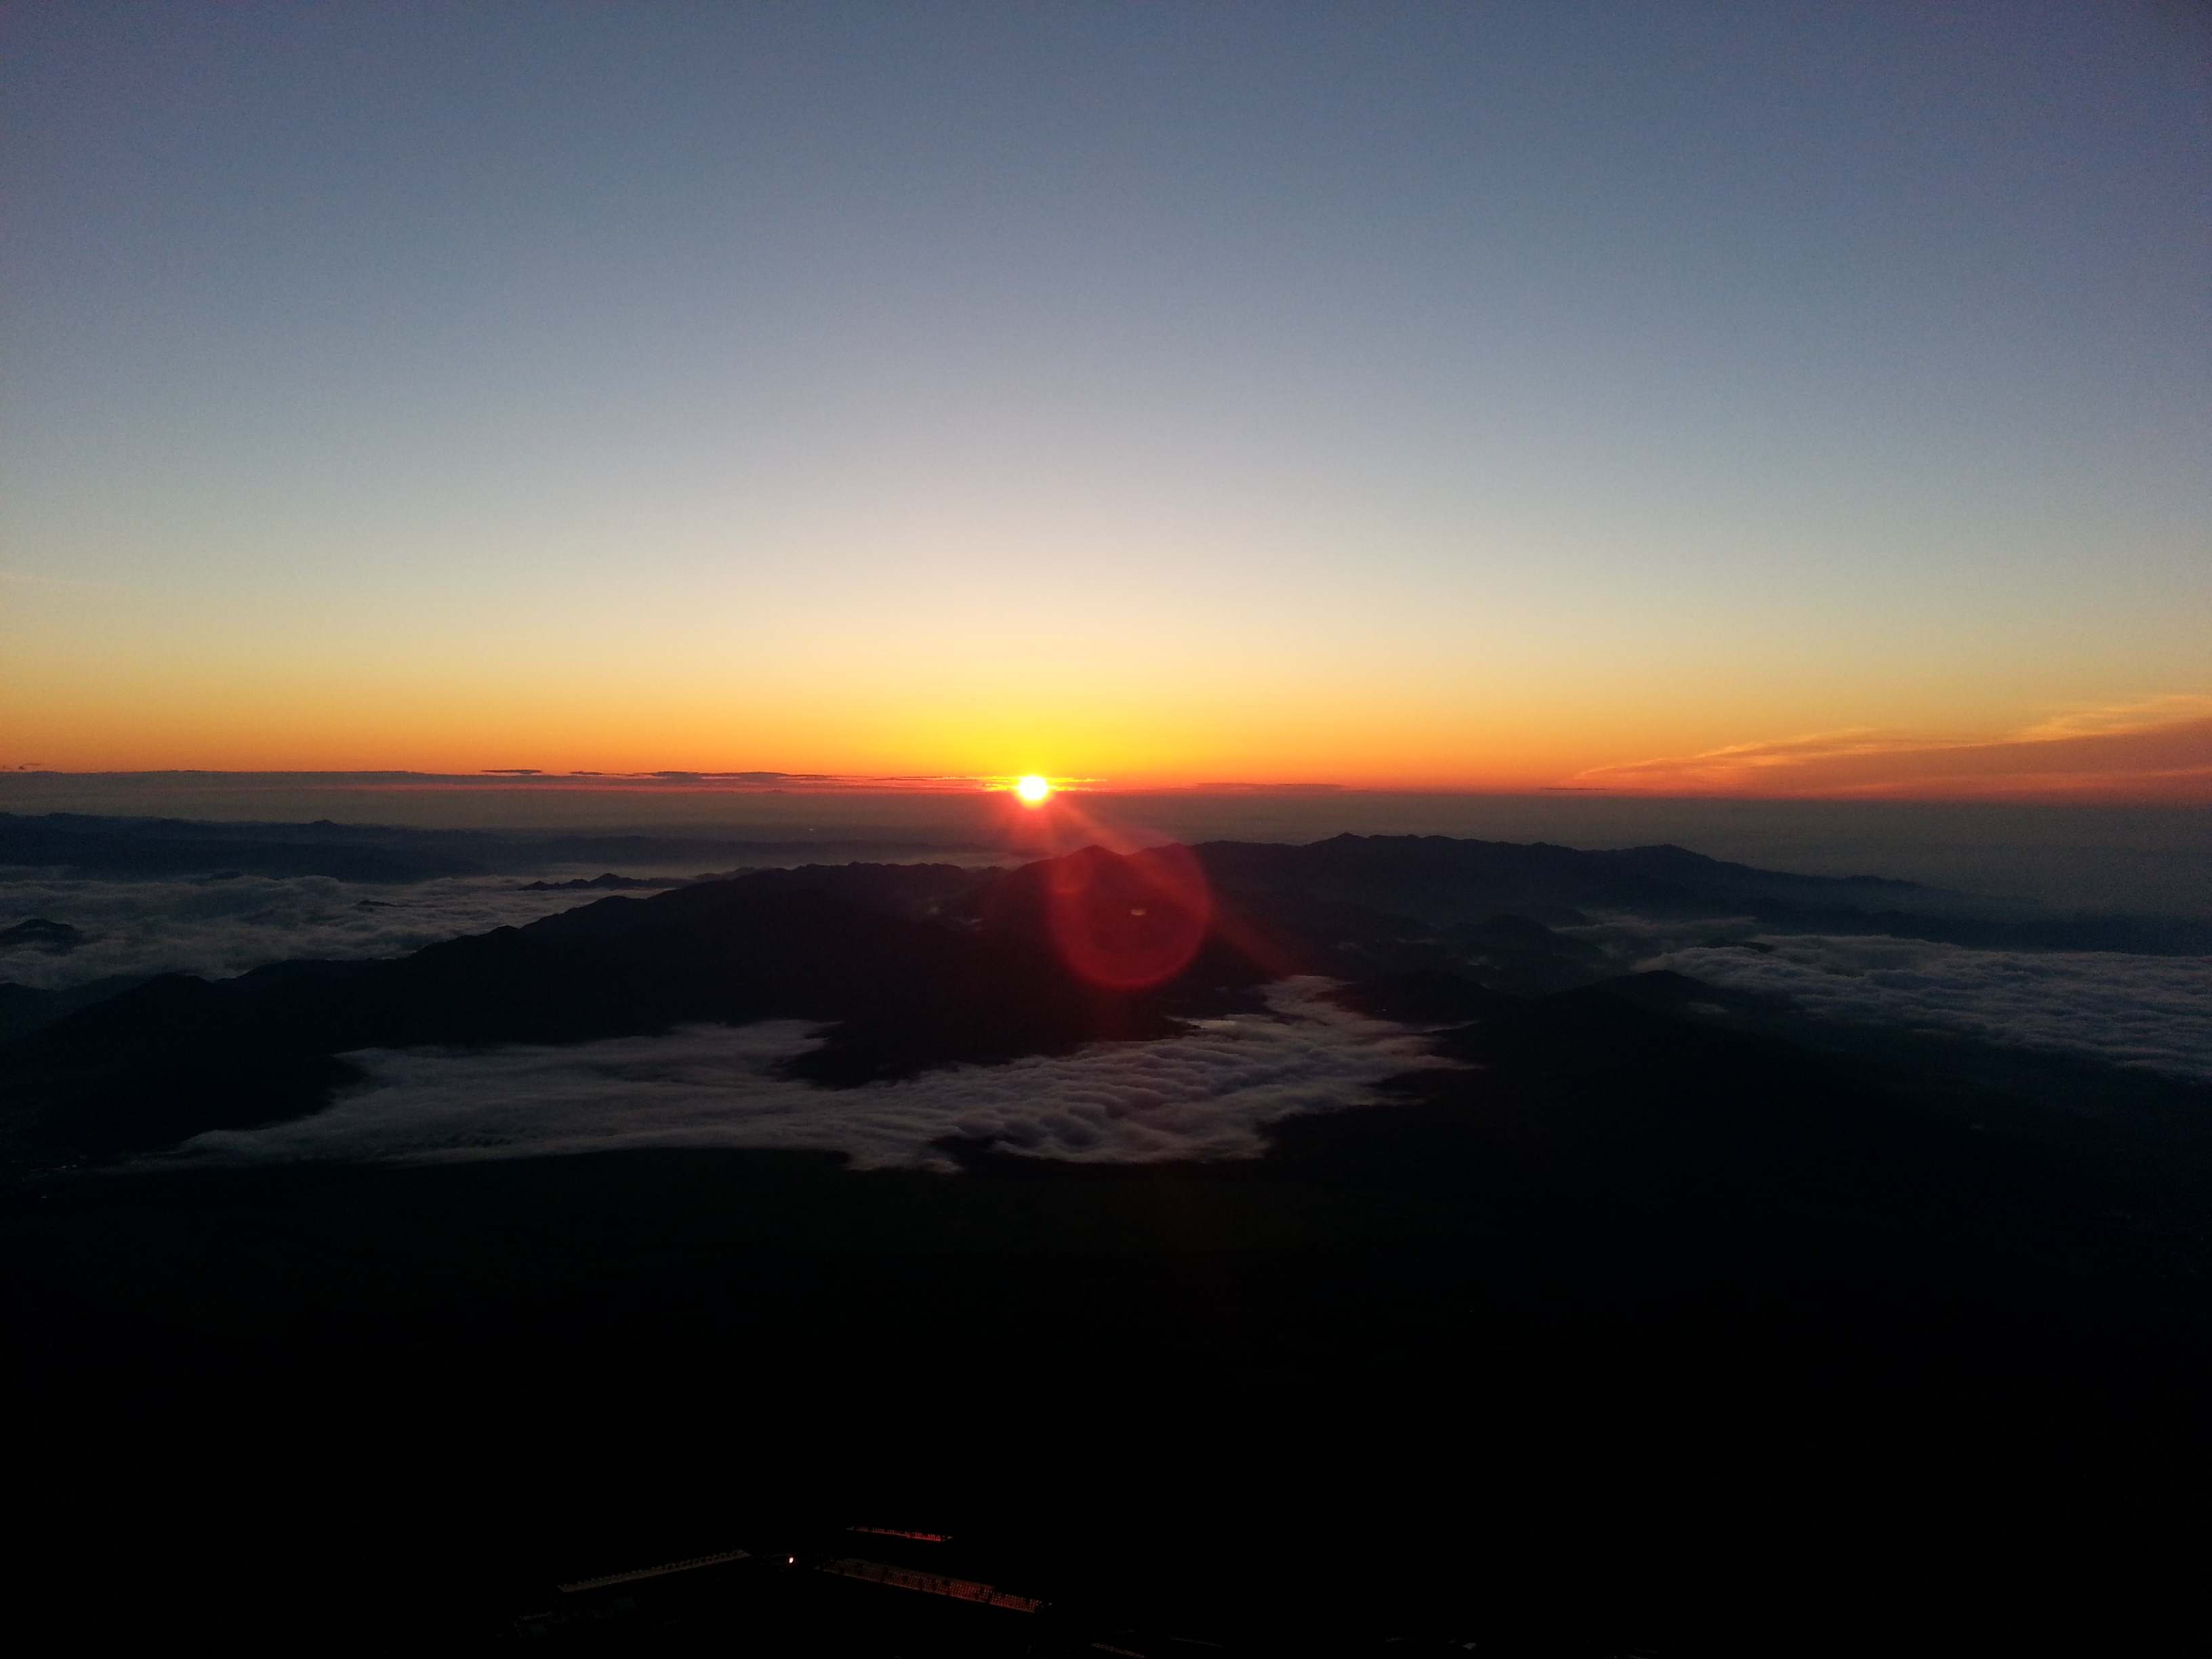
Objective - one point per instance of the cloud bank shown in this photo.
(1206, 1096)
(216, 928)
(2160, 751)
(2150, 1011)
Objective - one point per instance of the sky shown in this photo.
(1654, 397)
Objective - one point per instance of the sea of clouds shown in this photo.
(216, 926)
(1209, 1094)
(2140, 1011)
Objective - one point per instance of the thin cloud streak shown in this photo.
(2158, 750)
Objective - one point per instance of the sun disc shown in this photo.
(1032, 789)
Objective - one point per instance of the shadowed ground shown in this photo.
(1670, 1321)
(1475, 1361)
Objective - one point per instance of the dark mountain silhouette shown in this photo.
(911, 966)
(1440, 880)
(178, 1055)
(1443, 878)
(38, 933)
(175, 846)
(1517, 953)
(26, 1008)
(908, 966)
(607, 882)
(1435, 878)
(85, 844)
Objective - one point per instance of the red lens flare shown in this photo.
(1124, 923)
(1123, 911)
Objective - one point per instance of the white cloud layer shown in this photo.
(2153, 1011)
(216, 928)
(1207, 1095)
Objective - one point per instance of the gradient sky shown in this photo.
(1470, 395)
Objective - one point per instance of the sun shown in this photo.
(1032, 789)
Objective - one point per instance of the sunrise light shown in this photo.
(1615, 595)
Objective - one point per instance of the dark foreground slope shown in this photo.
(1647, 1330)
(1477, 1363)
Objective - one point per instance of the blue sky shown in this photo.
(1465, 392)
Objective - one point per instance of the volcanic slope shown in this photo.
(1655, 1323)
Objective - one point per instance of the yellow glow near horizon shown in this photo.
(1032, 789)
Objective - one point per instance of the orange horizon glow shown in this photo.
(2158, 749)
(875, 463)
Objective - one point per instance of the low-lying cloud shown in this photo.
(1209, 1094)
(216, 926)
(2153, 1011)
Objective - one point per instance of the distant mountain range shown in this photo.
(1435, 878)
(908, 967)
(83, 844)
